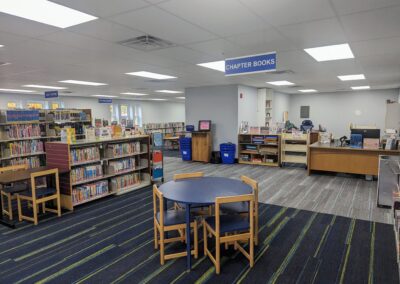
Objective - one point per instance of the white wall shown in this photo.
(336, 111)
(281, 103)
(151, 111)
(218, 104)
(247, 105)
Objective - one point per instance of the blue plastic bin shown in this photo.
(185, 145)
(228, 151)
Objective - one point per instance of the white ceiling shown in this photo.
(204, 30)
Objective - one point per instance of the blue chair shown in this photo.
(230, 228)
(306, 125)
(170, 220)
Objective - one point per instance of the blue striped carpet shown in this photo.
(111, 241)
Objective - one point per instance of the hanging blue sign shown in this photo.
(51, 94)
(250, 64)
(105, 101)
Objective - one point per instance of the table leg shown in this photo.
(188, 245)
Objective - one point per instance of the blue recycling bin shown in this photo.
(185, 146)
(228, 151)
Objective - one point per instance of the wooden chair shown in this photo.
(170, 220)
(200, 209)
(9, 193)
(242, 207)
(39, 196)
(238, 228)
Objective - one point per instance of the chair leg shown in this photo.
(162, 247)
(155, 236)
(251, 251)
(35, 213)
(44, 207)
(256, 231)
(217, 255)
(196, 240)
(205, 238)
(226, 244)
(19, 208)
(59, 206)
(2, 202)
(10, 211)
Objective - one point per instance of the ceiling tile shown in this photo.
(22, 27)
(104, 30)
(226, 17)
(374, 24)
(352, 6)
(159, 23)
(219, 48)
(183, 54)
(315, 33)
(284, 12)
(103, 8)
(380, 46)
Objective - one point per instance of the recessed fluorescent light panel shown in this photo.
(104, 96)
(45, 12)
(134, 94)
(1, 45)
(361, 88)
(158, 99)
(169, 92)
(151, 75)
(16, 91)
(181, 98)
(44, 87)
(76, 82)
(330, 52)
(352, 77)
(308, 91)
(281, 83)
(215, 65)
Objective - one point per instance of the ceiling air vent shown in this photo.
(146, 43)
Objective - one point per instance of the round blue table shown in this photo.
(202, 190)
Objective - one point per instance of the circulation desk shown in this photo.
(331, 158)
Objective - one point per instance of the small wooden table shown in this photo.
(19, 176)
(331, 158)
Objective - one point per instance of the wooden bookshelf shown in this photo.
(100, 154)
(259, 149)
(294, 148)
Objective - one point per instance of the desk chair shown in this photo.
(242, 207)
(9, 193)
(38, 196)
(199, 209)
(170, 220)
(238, 228)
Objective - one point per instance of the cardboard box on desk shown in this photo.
(371, 143)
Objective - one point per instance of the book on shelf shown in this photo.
(22, 115)
(121, 149)
(80, 155)
(89, 191)
(32, 162)
(123, 165)
(125, 181)
(18, 131)
(86, 173)
(21, 147)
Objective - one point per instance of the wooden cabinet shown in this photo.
(201, 146)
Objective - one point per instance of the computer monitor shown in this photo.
(367, 133)
(204, 125)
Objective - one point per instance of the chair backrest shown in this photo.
(158, 200)
(233, 199)
(188, 175)
(43, 174)
(254, 185)
(14, 168)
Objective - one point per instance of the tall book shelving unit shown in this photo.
(100, 168)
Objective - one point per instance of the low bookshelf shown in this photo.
(99, 168)
(259, 149)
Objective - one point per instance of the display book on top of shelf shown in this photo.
(98, 168)
(294, 147)
(259, 149)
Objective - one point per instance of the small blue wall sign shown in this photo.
(250, 64)
(51, 94)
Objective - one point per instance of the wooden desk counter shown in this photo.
(331, 158)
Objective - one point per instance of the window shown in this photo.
(34, 105)
(11, 105)
(124, 111)
(55, 105)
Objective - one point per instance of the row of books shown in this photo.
(18, 131)
(85, 173)
(88, 191)
(121, 165)
(115, 150)
(85, 154)
(32, 162)
(124, 181)
(22, 147)
(22, 115)
(163, 125)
